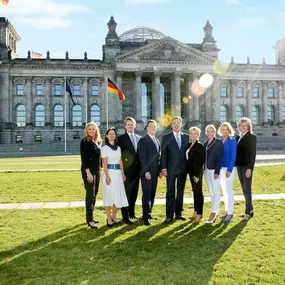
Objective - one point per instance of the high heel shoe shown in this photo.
(92, 225)
(116, 223)
(109, 225)
(228, 219)
(197, 219)
(212, 221)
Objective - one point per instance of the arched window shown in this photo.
(76, 116)
(95, 114)
(255, 115)
(20, 115)
(224, 113)
(40, 116)
(239, 112)
(58, 117)
(271, 114)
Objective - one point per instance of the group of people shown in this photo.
(129, 158)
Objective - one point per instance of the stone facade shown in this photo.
(155, 72)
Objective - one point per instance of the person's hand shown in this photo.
(164, 172)
(124, 177)
(248, 173)
(160, 175)
(108, 180)
(90, 178)
(196, 179)
(148, 176)
(228, 174)
(216, 176)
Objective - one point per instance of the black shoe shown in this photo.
(251, 214)
(152, 218)
(109, 225)
(182, 218)
(168, 220)
(129, 222)
(92, 225)
(96, 221)
(147, 223)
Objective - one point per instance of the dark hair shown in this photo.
(107, 132)
(148, 122)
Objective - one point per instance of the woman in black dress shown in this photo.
(90, 151)
(195, 156)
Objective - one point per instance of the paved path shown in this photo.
(75, 204)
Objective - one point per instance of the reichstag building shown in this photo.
(154, 71)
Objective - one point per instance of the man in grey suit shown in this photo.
(173, 164)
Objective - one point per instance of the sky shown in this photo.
(242, 28)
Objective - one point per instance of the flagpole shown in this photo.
(65, 113)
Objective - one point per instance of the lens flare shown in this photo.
(220, 67)
(206, 80)
(197, 89)
(165, 120)
(185, 100)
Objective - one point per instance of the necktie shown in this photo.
(178, 140)
(156, 144)
(134, 142)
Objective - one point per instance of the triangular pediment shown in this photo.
(166, 49)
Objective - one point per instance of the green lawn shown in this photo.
(68, 186)
(55, 247)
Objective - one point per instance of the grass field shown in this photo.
(55, 247)
(68, 186)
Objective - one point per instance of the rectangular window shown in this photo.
(255, 92)
(240, 92)
(19, 139)
(20, 89)
(76, 90)
(271, 92)
(224, 92)
(39, 89)
(38, 139)
(95, 89)
(57, 90)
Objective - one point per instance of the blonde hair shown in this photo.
(247, 121)
(210, 126)
(130, 119)
(176, 118)
(196, 129)
(230, 128)
(97, 134)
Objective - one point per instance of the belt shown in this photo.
(113, 166)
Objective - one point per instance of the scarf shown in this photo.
(112, 146)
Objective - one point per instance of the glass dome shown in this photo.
(141, 34)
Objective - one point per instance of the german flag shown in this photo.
(112, 88)
(4, 2)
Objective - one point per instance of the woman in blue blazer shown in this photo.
(227, 174)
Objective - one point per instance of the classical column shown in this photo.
(264, 102)
(208, 109)
(68, 106)
(216, 100)
(30, 107)
(6, 101)
(233, 102)
(48, 107)
(85, 101)
(248, 99)
(280, 103)
(119, 77)
(196, 101)
(156, 105)
(175, 95)
(104, 101)
(138, 97)
(189, 109)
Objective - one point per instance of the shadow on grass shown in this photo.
(176, 254)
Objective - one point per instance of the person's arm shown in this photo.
(219, 158)
(105, 166)
(142, 151)
(233, 152)
(164, 155)
(200, 161)
(85, 159)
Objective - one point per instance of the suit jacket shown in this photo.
(229, 153)
(149, 156)
(172, 158)
(195, 159)
(129, 156)
(246, 150)
(214, 155)
(90, 153)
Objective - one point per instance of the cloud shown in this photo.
(43, 14)
(247, 23)
(147, 1)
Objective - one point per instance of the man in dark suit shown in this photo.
(128, 143)
(173, 164)
(149, 154)
(245, 160)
